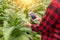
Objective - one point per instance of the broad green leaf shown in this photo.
(23, 37)
(7, 33)
(16, 32)
(26, 29)
(5, 24)
(2, 18)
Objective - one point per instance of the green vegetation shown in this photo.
(12, 19)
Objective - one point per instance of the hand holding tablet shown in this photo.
(33, 16)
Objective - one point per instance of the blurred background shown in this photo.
(13, 15)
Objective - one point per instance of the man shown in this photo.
(50, 24)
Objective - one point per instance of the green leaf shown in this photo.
(5, 24)
(2, 18)
(16, 32)
(26, 29)
(7, 33)
(23, 37)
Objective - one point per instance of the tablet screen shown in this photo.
(33, 16)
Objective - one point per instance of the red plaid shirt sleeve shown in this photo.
(49, 18)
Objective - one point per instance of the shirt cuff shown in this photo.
(34, 28)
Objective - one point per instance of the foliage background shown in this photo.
(13, 15)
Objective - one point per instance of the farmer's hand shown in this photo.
(39, 19)
(28, 24)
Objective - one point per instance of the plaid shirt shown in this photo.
(50, 24)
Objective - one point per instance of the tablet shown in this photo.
(32, 15)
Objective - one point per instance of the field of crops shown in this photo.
(13, 15)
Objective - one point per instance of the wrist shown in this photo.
(30, 25)
(38, 18)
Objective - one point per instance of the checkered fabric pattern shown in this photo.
(50, 24)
